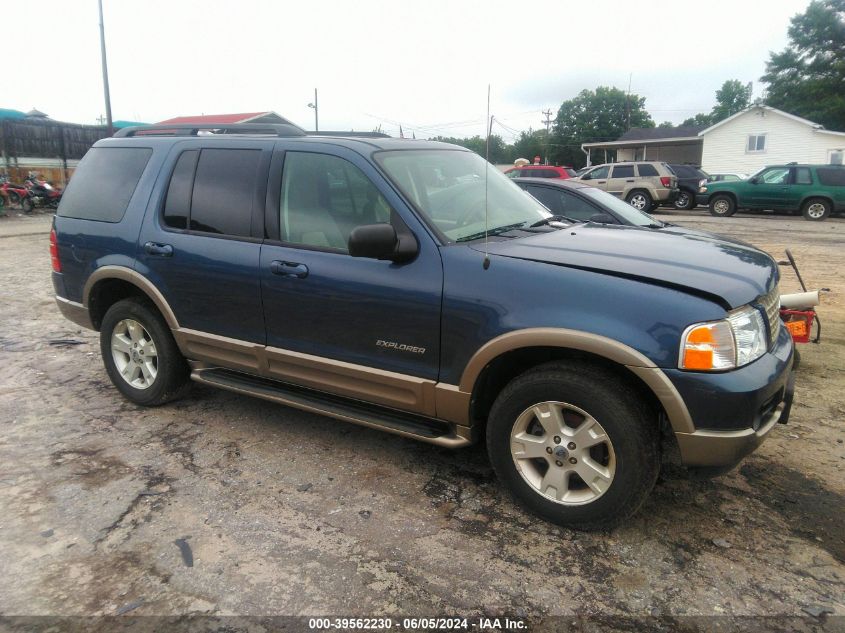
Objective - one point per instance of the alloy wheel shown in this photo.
(563, 453)
(134, 353)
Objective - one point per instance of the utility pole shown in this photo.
(105, 69)
(315, 107)
(548, 123)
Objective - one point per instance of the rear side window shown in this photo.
(803, 176)
(178, 204)
(831, 177)
(623, 171)
(224, 190)
(646, 170)
(104, 183)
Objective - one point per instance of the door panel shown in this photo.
(197, 243)
(320, 301)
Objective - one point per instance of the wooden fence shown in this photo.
(44, 146)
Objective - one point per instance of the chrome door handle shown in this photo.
(161, 250)
(289, 269)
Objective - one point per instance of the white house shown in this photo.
(762, 135)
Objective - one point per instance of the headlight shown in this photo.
(727, 344)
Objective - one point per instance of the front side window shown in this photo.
(597, 173)
(774, 176)
(104, 182)
(224, 190)
(756, 143)
(448, 188)
(548, 196)
(324, 197)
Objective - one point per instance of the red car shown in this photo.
(540, 171)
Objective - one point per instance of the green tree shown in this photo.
(528, 145)
(807, 78)
(699, 119)
(601, 115)
(666, 124)
(499, 151)
(731, 98)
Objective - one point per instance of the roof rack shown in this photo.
(181, 129)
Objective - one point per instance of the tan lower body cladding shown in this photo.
(389, 389)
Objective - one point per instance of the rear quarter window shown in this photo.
(832, 177)
(104, 182)
(646, 171)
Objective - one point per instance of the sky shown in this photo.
(424, 65)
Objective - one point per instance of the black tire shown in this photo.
(640, 199)
(26, 205)
(722, 205)
(626, 420)
(171, 378)
(685, 201)
(816, 209)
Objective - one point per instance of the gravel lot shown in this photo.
(221, 504)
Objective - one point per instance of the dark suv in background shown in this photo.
(410, 286)
(690, 181)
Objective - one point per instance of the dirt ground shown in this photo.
(222, 504)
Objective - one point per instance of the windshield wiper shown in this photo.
(655, 225)
(553, 218)
(494, 231)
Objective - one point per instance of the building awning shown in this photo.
(632, 144)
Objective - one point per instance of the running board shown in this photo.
(401, 423)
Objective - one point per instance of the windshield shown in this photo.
(448, 187)
(620, 207)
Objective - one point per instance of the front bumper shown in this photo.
(727, 448)
(732, 412)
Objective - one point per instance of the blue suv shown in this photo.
(411, 287)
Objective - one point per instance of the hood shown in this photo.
(730, 272)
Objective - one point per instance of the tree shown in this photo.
(731, 98)
(529, 144)
(806, 78)
(499, 151)
(601, 115)
(666, 124)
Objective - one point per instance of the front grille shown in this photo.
(771, 306)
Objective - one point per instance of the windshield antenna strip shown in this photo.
(486, 263)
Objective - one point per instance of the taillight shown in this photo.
(666, 181)
(54, 252)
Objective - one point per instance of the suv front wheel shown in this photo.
(640, 200)
(140, 355)
(685, 200)
(573, 445)
(722, 206)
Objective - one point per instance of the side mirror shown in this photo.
(754, 180)
(586, 176)
(381, 241)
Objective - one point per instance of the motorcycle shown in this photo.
(15, 193)
(40, 193)
(798, 311)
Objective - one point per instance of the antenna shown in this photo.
(486, 263)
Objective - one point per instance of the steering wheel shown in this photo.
(472, 213)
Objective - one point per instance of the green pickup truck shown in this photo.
(815, 190)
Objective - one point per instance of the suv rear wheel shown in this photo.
(685, 201)
(722, 206)
(640, 200)
(140, 355)
(573, 445)
(816, 209)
